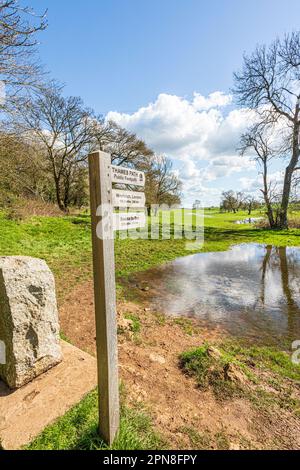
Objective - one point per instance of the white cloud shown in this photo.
(227, 165)
(214, 100)
(253, 185)
(200, 134)
(187, 129)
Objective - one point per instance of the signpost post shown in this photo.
(104, 222)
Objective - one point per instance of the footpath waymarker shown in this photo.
(103, 199)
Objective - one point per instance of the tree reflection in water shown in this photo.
(252, 290)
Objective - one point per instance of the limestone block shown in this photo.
(29, 326)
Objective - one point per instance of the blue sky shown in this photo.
(144, 60)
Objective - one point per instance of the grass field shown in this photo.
(65, 243)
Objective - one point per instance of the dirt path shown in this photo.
(185, 415)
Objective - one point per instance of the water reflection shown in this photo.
(251, 290)
(249, 220)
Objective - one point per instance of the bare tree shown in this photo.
(259, 139)
(270, 84)
(22, 170)
(250, 203)
(197, 204)
(124, 146)
(232, 201)
(18, 28)
(162, 184)
(63, 128)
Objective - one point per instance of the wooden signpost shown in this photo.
(103, 199)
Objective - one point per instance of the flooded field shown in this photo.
(249, 220)
(252, 290)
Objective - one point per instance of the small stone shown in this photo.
(157, 358)
(145, 289)
(234, 374)
(125, 324)
(234, 446)
(250, 363)
(213, 352)
(29, 325)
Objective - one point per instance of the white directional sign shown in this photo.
(127, 221)
(122, 198)
(123, 175)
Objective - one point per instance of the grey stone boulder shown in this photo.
(29, 326)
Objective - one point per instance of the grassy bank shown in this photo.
(231, 366)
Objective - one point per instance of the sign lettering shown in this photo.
(123, 175)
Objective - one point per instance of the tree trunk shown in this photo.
(264, 272)
(58, 196)
(283, 217)
(57, 180)
(66, 193)
(266, 197)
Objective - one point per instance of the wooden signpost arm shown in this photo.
(104, 291)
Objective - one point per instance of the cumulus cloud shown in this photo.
(196, 128)
(200, 134)
(253, 185)
(214, 100)
(227, 165)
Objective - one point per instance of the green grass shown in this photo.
(65, 243)
(209, 372)
(198, 361)
(199, 441)
(136, 323)
(187, 325)
(78, 430)
(268, 374)
(206, 440)
(221, 232)
(268, 358)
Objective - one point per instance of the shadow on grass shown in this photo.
(249, 235)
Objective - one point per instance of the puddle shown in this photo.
(251, 290)
(249, 220)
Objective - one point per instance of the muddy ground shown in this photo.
(186, 416)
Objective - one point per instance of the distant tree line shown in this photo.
(45, 136)
(234, 201)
